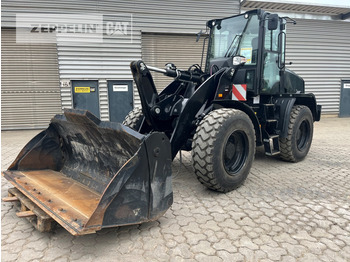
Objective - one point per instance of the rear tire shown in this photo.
(134, 119)
(296, 145)
(223, 149)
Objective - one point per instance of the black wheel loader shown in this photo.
(87, 174)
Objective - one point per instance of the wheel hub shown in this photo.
(235, 152)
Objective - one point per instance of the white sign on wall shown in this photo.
(120, 88)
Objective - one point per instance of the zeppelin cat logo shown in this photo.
(82, 89)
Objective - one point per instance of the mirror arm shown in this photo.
(289, 20)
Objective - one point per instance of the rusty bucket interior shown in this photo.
(88, 174)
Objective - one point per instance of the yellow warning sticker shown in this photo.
(82, 89)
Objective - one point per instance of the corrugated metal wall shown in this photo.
(319, 49)
(320, 52)
(99, 61)
(30, 93)
(150, 16)
(111, 59)
(181, 50)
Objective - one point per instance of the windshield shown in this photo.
(234, 36)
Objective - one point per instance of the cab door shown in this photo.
(273, 59)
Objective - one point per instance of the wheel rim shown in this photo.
(235, 152)
(303, 135)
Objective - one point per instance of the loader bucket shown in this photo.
(88, 174)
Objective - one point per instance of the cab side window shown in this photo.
(271, 76)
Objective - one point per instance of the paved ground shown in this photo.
(284, 212)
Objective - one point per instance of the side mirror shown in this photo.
(239, 60)
(273, 22)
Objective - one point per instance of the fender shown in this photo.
(285, 105)
(309, 100)
(246, 109)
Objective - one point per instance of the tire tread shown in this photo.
(133, 118)
(286, 150)
(203, 146)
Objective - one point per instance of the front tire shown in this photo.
(296, 145)
(223, 149)
(134, 119)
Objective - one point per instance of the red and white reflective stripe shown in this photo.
(239, 92)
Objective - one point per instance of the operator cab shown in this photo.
(259, 37)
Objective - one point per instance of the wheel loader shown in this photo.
(88, 174)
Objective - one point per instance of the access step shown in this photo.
(272, 145)
(269, 111)
(271, 124)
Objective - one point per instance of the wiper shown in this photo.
(232, 46)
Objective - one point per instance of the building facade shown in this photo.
(40, 79)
